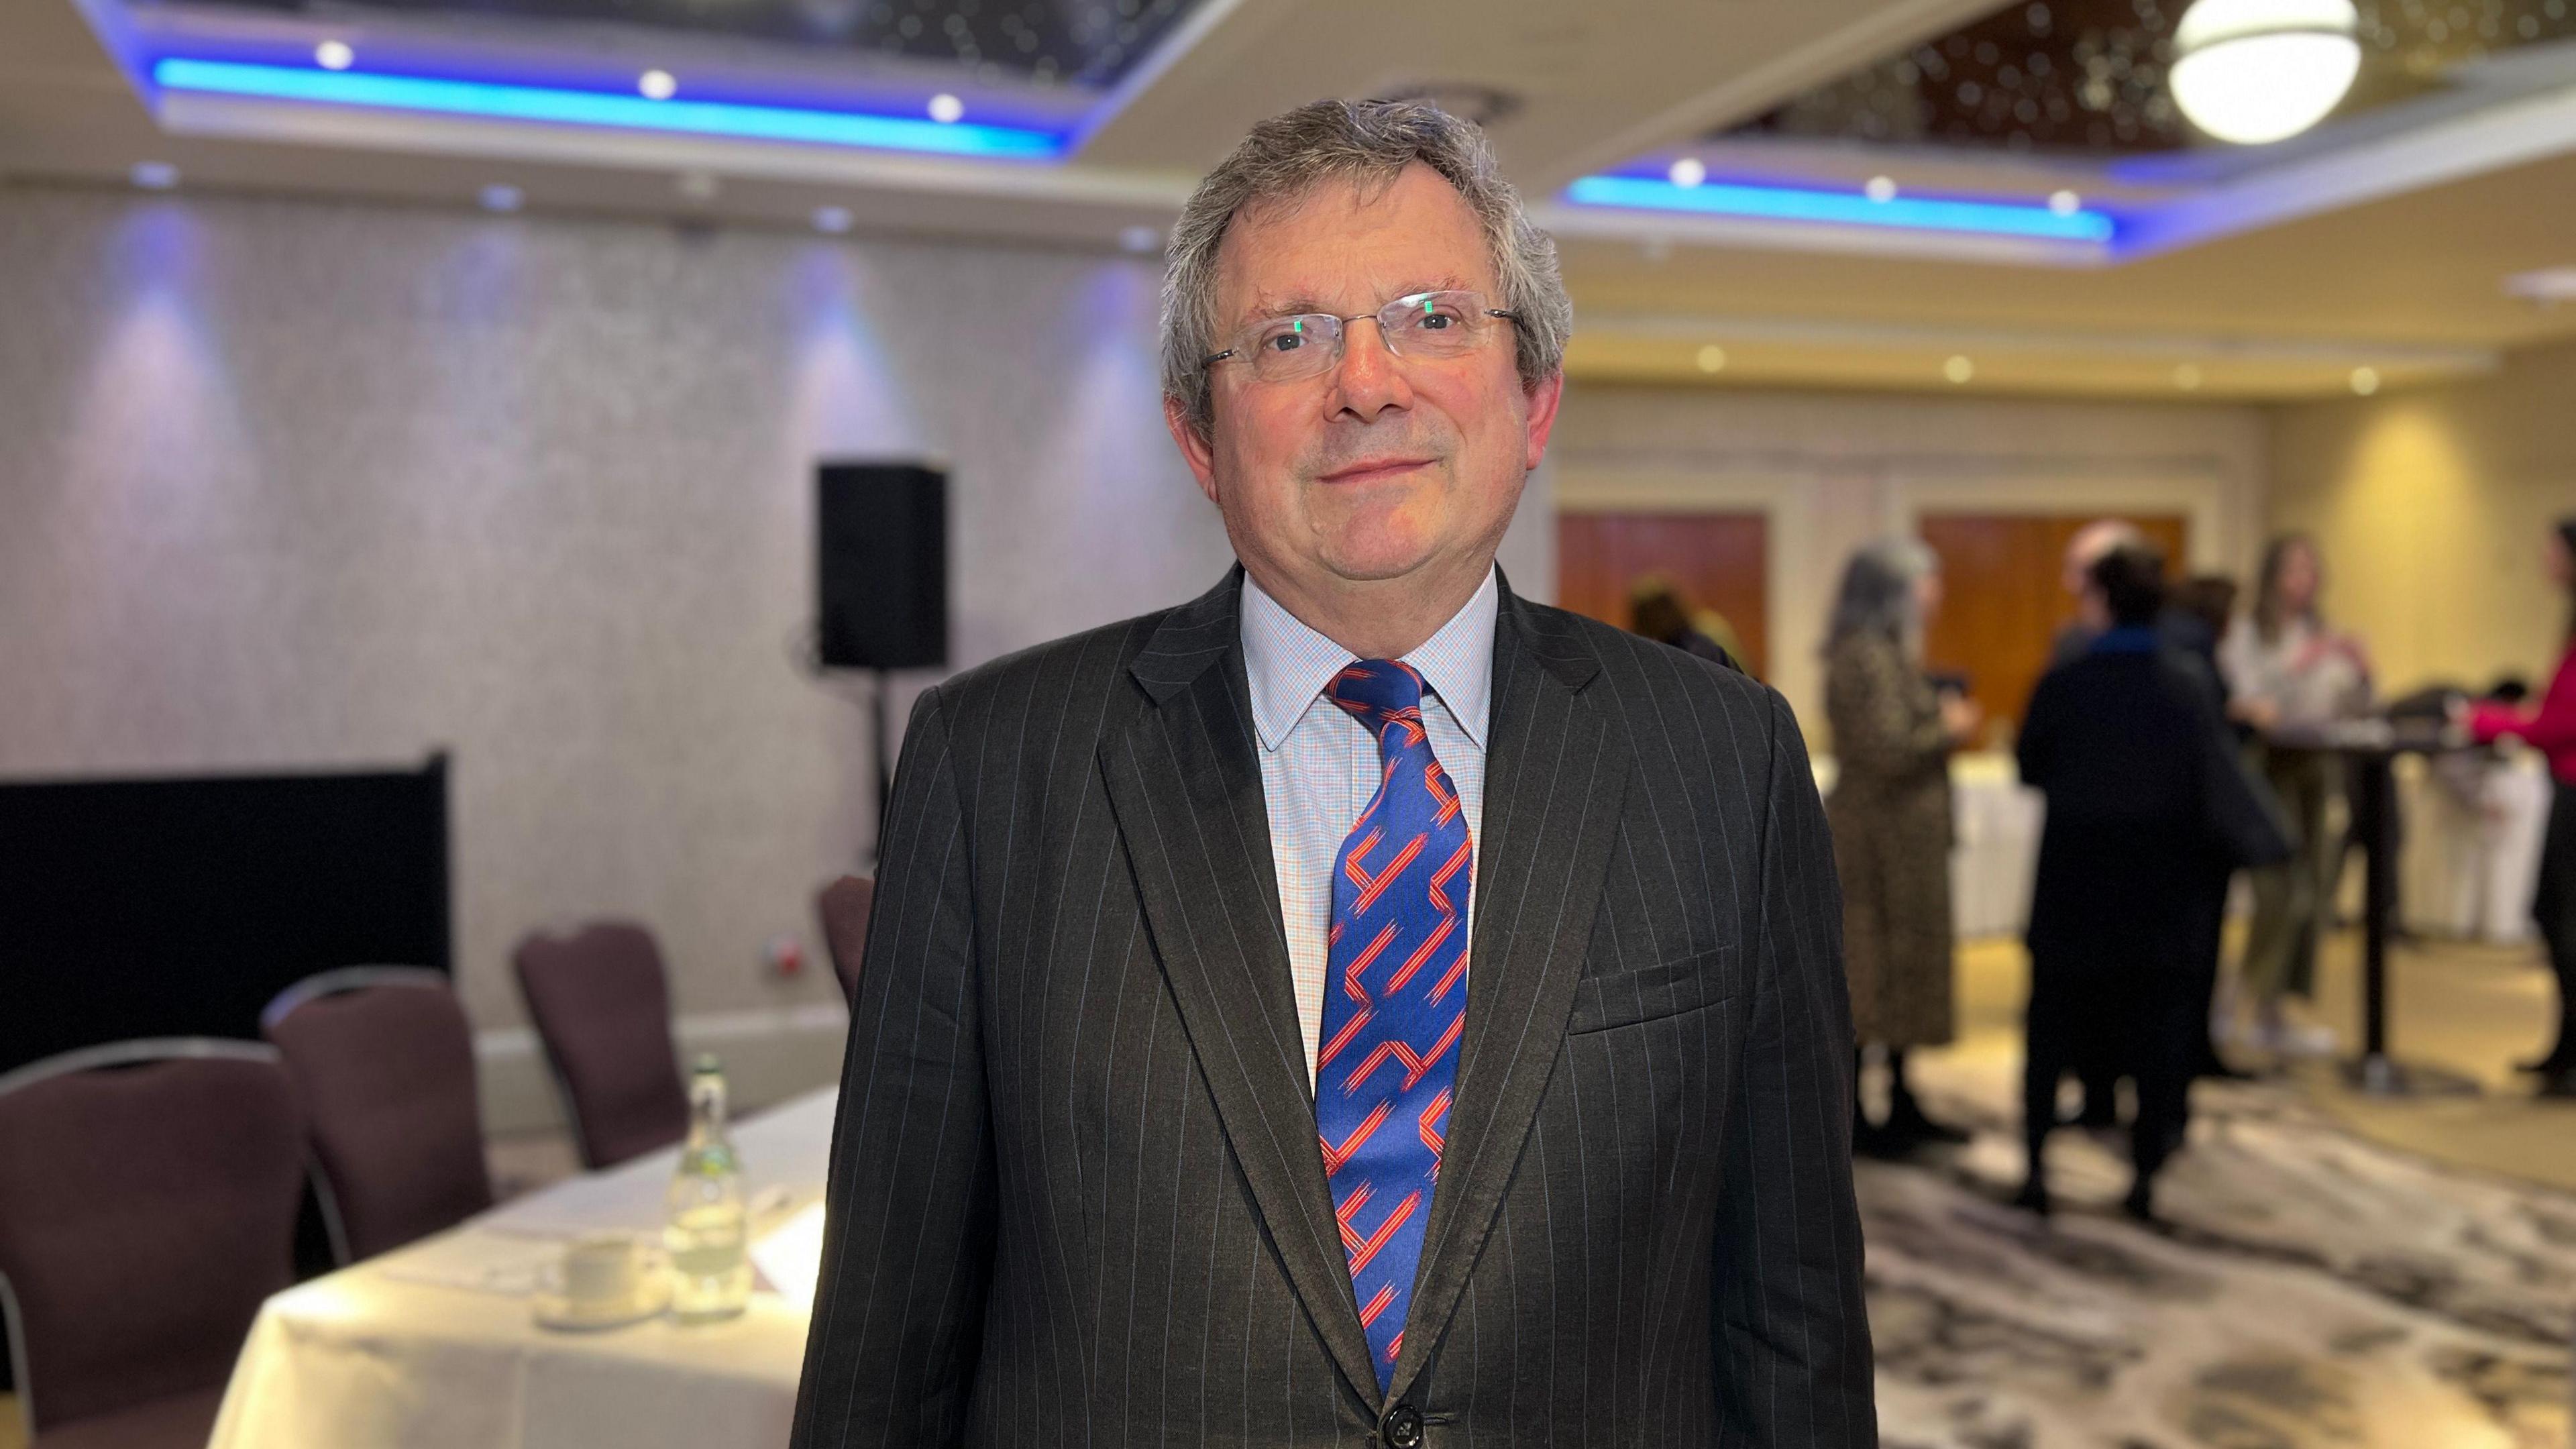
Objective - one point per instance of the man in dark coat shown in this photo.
(2145, 805)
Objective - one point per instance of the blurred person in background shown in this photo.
(2191, 629)
(2146, 805)
(2551, 729)
(1659, 610)
(2184, 628)
(2294, 678)
(1890, 811)
(2209, 601)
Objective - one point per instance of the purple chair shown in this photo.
(845, 905)
(386, 1063)
(148, 1192)
(602, 1006)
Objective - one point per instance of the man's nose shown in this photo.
(1369, 379)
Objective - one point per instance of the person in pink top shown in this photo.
(2551, 729)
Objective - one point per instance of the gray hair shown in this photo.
(1877, 595)
(1365, 141)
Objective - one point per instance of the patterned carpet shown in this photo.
(2312, 1290)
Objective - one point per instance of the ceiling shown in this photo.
(2088, 75)
(2382, 243)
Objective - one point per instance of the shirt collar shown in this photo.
(1288, 664)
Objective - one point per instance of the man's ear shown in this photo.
(1542, 417)
(1196, 448)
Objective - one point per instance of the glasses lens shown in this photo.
(1286, 348)
(1433, 324)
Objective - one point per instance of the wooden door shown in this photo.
(2002, 576)
(1721, 560)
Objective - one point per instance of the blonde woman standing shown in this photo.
(2292, 678)
(1890, 811)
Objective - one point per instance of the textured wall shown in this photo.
(286, 484)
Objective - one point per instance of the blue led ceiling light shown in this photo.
(1841, 208)
(497, 101)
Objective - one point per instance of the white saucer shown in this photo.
(554, 1310)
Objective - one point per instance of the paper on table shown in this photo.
(790, 1256)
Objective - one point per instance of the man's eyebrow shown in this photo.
(1295, 304)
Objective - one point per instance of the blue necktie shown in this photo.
(1395, 1001)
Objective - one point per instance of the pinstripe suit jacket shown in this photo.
(1076, 1193)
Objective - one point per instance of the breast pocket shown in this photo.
(1651, 993)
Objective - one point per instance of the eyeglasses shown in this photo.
(1424, 325)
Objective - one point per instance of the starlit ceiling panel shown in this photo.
(2088, 76)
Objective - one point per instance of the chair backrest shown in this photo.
(385, 1059)
(603, 1009)
(148, 1193)
(845, 905)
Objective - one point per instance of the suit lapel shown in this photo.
(1553, 788)
(1186, 788)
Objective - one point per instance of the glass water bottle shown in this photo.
(706, 1237)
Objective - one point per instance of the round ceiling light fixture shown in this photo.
(2252, 72)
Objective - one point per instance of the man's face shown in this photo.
(1381, 467)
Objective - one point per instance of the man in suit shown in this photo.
(1359, 1006)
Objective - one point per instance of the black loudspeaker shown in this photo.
(881, 565)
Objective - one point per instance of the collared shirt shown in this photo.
(1319, 766)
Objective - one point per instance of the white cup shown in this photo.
(602, 1271)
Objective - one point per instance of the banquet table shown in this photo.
(435, 1344)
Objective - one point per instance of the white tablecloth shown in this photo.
(433, 1346)
(1996, 843)
(2472, 853)
(2467, 864)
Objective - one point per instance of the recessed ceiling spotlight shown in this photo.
(1688, 171)
(334, 55)
(698, 185)
(2365, 380)
(832, 220)
(155, 175)
(2065, 203)
(1880, 188)
(1142, 240)
(500, 197)
(2187, 377)
(946, 109)
(1959, 370)
(1712, 358)
(657, 85)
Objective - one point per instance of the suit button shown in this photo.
(1403, 1427)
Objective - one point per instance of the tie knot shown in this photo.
(1378, 692)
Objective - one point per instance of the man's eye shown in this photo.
(1288, 341)
(1435, 322)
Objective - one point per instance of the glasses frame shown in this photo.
(1341, 326)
